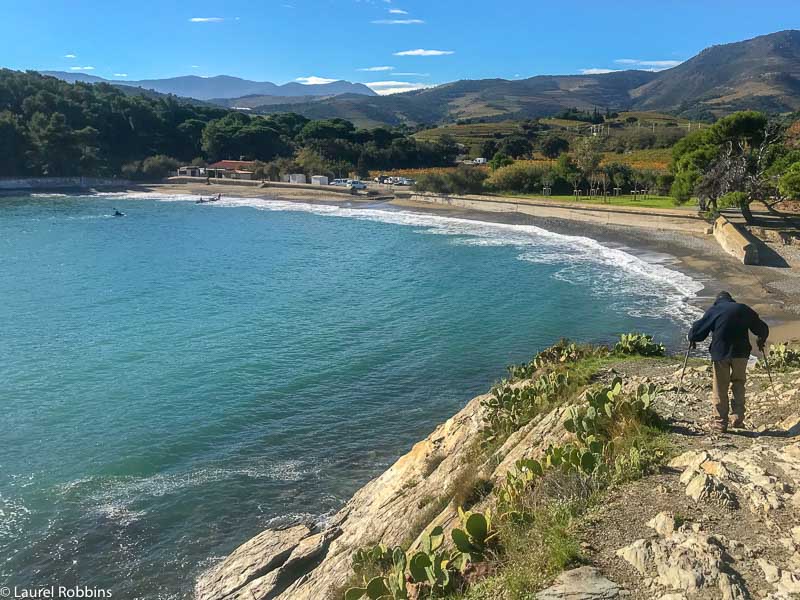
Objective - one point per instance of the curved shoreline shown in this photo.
(694, 254)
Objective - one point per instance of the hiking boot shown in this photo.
(719, 428)
(738, 423)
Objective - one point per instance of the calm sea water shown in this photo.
(175, 381)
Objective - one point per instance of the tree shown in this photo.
(313, 163)
(13, 145)
(330, 129)
(553, 146)
(587, 156)
(488, 148)
(789, 184)
(54, 149)
(515, 146)
(736, 154)
(500, 160)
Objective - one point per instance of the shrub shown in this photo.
(524, 178)
(158, 166)
(463, 180)
(638, 344)
(781, 357)
(150, 169)
(500, 160)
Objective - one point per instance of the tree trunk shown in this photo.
(748, 216)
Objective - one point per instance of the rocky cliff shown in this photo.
(720, 520)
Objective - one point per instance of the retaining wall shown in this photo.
(602, 214)
(52, 183)
(220, 181)
(262, 184)
(735, 241)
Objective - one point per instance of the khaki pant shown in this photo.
(729, 373)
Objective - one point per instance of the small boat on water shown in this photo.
(118, 213)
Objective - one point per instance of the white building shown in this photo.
(319, 180)
(297, 178)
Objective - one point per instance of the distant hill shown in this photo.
(762, 73)
(222, 86)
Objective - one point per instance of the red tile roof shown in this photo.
(232, 165)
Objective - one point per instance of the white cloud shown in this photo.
(206, 20)
(398, 22)
(597, 71)
(421, 52)
(81, 68)
(653, 65)
(195, 66)
(384, 88)
(374, 69)
(397, 11)
(70, 56)
(314, 80)
(413, 74)
(120, 74)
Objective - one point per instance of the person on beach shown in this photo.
(730, 322)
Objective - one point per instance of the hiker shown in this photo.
(730, 322)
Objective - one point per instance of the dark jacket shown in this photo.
(730, 322)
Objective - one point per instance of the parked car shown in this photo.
(340, 182)
(355, 184)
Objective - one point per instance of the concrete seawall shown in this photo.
(278, 185)
(665, 219)
(55, 183)
(735, 241)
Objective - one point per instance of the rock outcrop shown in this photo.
(686, 560)
(584, 583)
(394, 508)
(743, 492)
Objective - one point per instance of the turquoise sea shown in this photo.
(175, 381)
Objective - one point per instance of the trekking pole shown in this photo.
(680, 383)
(769, 374)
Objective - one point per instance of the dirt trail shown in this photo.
(722, 520)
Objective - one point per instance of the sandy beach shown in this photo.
(774, 292)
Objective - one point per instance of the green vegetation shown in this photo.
(632, 201)
(741, 158)
(526, 531)
(52, 128)
(638, 344)
(781, 357)
(463, 180)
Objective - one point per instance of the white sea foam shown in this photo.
(114, 497)
(661, 289)
(13, 516)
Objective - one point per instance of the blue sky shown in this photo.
(391, 44)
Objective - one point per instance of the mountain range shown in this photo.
(223, 87)
(761, 73)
